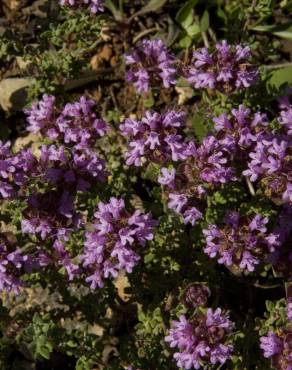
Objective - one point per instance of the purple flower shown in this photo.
(277, 347)
(289, 309)
(240, 131)
(192, 215)
(114, 243)
(79, 124)
(76, 124)
(41, 117)
(74, 170)
(62, 258)
(167, 177)
(271, 344)
(50, 216)
(242, 243)
(270, 163)
(155, 138)
(95, 6)
(226, 69)
(12, 265)
(196, 295)
(212, 160)
(183, 193)
(281, 259)
(177, 202)
(201, 340)
(15, 170)
(150, 65)
(285, 118)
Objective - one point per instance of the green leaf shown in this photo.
(193, 30)
(187, 21)
(199, 126)
(185, 42)
(83, 364)
(287, 34)
(185, 11)
(221, 14)
(279, 78)
(152, 6)
(43, 347)
(284, 30)
(205, 21)
(149, 101)
(149, 258)
(114, 10)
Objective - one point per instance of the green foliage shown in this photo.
(118, 326)
(276, 316)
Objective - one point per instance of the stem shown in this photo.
(250, 186)
(121, 7)
(144, 33)
(253, 5)
(256, 285)
(275, 66)
(205, 39)
(212, 34)
(204, 34)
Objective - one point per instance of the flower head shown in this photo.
(50, 216)
(278, 348)
(196, 295)
(150, 65)
(271, 164)
(157, 137)
(241, 242)
(75, 170)
(79, 124)
(76, 124)
(226, 69)
(114, 243)
(201, 340)
(95, 6)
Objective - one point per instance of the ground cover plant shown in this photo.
(145, 184)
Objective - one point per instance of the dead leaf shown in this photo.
(12, 4)
(122, 283)
(184, 94)
(104, 55)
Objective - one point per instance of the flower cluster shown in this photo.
(201, 340)
(185, 186)
(226, 69)
(151, 64)
(213, 161)
(59, 257)
(185, 195)
(50, 216)
(157, 137)
(277, 347)
(14, 170)
(49, 180)
(74, 170)
(240, 131)
(114, 242)
(76, 124)
(71, 165)
(241, 242)
(271, 164)
(12, 264)
(285, 118)
(196, 295)
(94, 5)
(281, 259)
